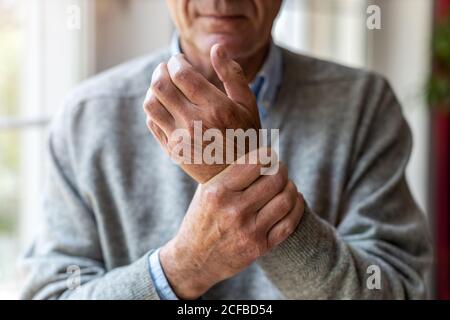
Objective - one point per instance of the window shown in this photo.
(41, 60)
(11, 47)
(329, 29)
(43, 57)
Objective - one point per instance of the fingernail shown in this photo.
(221, 52)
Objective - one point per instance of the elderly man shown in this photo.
(123, 221)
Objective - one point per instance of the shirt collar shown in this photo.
(267, 81)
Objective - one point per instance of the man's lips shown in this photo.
(223, 17)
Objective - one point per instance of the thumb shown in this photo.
(232, 76)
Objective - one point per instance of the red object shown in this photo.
(442, 8)
(441, 137)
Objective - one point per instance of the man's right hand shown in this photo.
(232, 220)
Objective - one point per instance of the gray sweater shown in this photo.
(112, 196)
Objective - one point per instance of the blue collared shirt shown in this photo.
(265, 88)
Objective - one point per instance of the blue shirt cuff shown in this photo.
(160, 281)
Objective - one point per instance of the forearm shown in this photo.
(124, 283)
(316, 263)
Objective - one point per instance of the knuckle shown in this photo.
(249, 244)
(146, 105)
(243, 238)
(285, 203)
(181, 74)
(291, 190)
(214, 194)
(237, 70)
(275, 240)
(234, 213)
(156, 131)
(279, 180)
(245, 242)
(246, 207)
(158, 85)
(153, 109)
(231, 218)
(151, 124)
(149, 102)
(287, 230)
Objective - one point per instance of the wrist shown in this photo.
(185, 280)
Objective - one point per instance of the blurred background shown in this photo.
(48, 46)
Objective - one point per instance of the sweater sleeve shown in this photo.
(66, 261)
(380, 247)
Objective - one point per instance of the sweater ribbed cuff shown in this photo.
(140, 282)
(304, 253)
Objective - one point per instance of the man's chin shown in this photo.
(234, 45)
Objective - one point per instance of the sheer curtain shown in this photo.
(68, 41)
(56, 58)
(329, 29)
(52, 59)
(337, 30)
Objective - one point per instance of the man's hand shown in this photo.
(232, 220)
(179, 95)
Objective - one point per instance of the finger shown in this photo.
(241, 173)
(191, 83)
(157, 132)
(158, 114)
(284, 228)
(277, 208)
(168, 94)
(266, 188)
(232, 76)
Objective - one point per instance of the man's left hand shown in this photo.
(179, 95)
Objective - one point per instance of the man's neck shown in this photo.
(201, 61)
